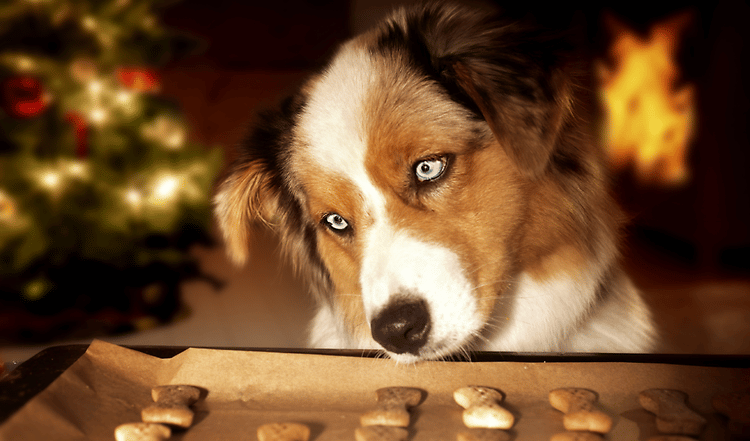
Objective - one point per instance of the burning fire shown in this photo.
(649, 123)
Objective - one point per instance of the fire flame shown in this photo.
(649, 122)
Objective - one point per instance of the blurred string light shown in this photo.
(165, 130)
(89, 23)
(50, 180)
(12, 220)
(169, 188)
(25, 63)
(55, 178)
(77, 169)
(106, 98)
(98, 116)
(165, 189)
(160, 194)
(103, 34)
(125, 98)
(134, 199)
(36, 289)
(95, 88)
(8, 207)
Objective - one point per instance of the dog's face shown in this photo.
(395, 177)
(398, 177)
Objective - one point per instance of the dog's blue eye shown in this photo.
(336, 222)
(429, 169)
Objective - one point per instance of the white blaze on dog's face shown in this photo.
(394, 172)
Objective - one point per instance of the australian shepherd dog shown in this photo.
(436, 185)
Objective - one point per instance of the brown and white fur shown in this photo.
(438, 189)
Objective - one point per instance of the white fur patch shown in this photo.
(334, 122)
(540, 316)
(396, 264)
(327, 331)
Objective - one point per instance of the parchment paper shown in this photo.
(109, 385)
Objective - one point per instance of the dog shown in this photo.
(440, 193)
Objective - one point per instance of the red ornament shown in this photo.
(81, 130)
(24, 97)
(139, 79)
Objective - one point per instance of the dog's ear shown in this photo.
(253, 190)
(526, 125)
(244, 197)
(507, 70)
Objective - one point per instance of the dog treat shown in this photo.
(578, 406)
(482, 408)
(283, 432)
(576, 436)
(172, 405)
(483, 435)
(380, 433)
(173, 415)
(393, 407)
(179, 393)
(736, 407)
(672, 414)
(142, 432)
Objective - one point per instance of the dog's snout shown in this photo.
(403, 326)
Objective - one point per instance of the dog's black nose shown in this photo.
(403, 326)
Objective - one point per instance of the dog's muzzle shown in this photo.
(403, 326)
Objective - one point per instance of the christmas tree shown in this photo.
(101, 191)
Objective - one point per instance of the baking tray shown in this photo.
(329, 389)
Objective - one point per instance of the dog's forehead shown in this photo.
(333, 126)
(333, 122)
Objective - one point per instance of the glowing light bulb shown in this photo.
(134, 198)
(7, 207)
(98, 116)
(77, 169)
(124, 97)
(165, 189)
(50, 179)
(89, 22)
(25, 63)
(175, 140)
(95, 87)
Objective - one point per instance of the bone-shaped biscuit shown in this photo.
(142, 432)
(736, 407)
(180, 393)
(283, 432)
(672, 414)
(393, 407)
(172, 405)
(578, 406)
(380, 433)
(483, 435)
(576, 436)
(482, 408)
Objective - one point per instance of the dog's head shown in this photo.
(399, 176)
